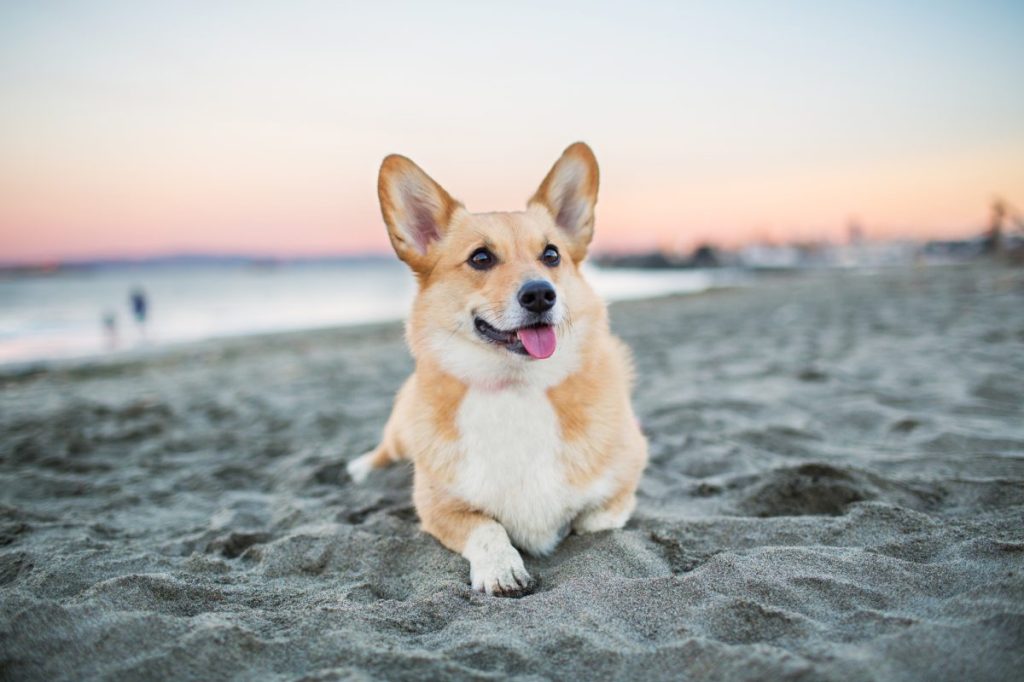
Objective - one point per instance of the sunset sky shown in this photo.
(134, 129)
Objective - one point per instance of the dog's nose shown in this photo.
(537, 296)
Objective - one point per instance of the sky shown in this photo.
(133, 129)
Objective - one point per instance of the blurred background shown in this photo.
(175, 172)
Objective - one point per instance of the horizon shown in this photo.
(132, 132)
(387, 254)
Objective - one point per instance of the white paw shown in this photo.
(359, 468)
(495, 566)
(501, 576)
(599, 519)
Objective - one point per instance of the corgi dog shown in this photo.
(517, 418)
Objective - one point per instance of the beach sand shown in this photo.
(836, 491)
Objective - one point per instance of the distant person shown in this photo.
(140, 308)
(109, 319)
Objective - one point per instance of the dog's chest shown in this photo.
(511, 464)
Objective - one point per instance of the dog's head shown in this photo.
(497, 291)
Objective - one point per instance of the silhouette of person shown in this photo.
(140, 308)
(109, 319)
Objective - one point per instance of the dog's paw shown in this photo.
(596, 520)
(501, 575)
(359, 468)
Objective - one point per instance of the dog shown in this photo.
(517, 417)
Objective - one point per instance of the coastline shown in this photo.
(83, 315)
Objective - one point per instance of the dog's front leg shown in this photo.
(495, 566)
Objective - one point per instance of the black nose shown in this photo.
(537, 296)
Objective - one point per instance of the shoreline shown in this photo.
(146, 352)
(730, 280)
(48, 322)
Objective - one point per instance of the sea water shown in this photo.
(87, 311)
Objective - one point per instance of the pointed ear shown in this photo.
(416, 209)
(569, 193)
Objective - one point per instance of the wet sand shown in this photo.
(836, 491)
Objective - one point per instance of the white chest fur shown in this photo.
(512, 467)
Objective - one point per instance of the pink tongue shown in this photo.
(539, 342)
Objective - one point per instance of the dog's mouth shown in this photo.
(536, 340)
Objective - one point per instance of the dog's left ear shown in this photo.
(569, 193)
(416, 209)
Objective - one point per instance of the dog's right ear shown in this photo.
(569, 193)
(416, 209)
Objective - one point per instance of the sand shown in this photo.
(836, 491)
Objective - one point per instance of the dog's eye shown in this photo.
(482, 259)
(550, 256)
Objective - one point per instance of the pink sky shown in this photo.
(138, 131)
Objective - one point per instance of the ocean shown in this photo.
(87, 311)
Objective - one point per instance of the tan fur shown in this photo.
(590, 410)
(547, 194)
(601, 444)
(447, 518)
